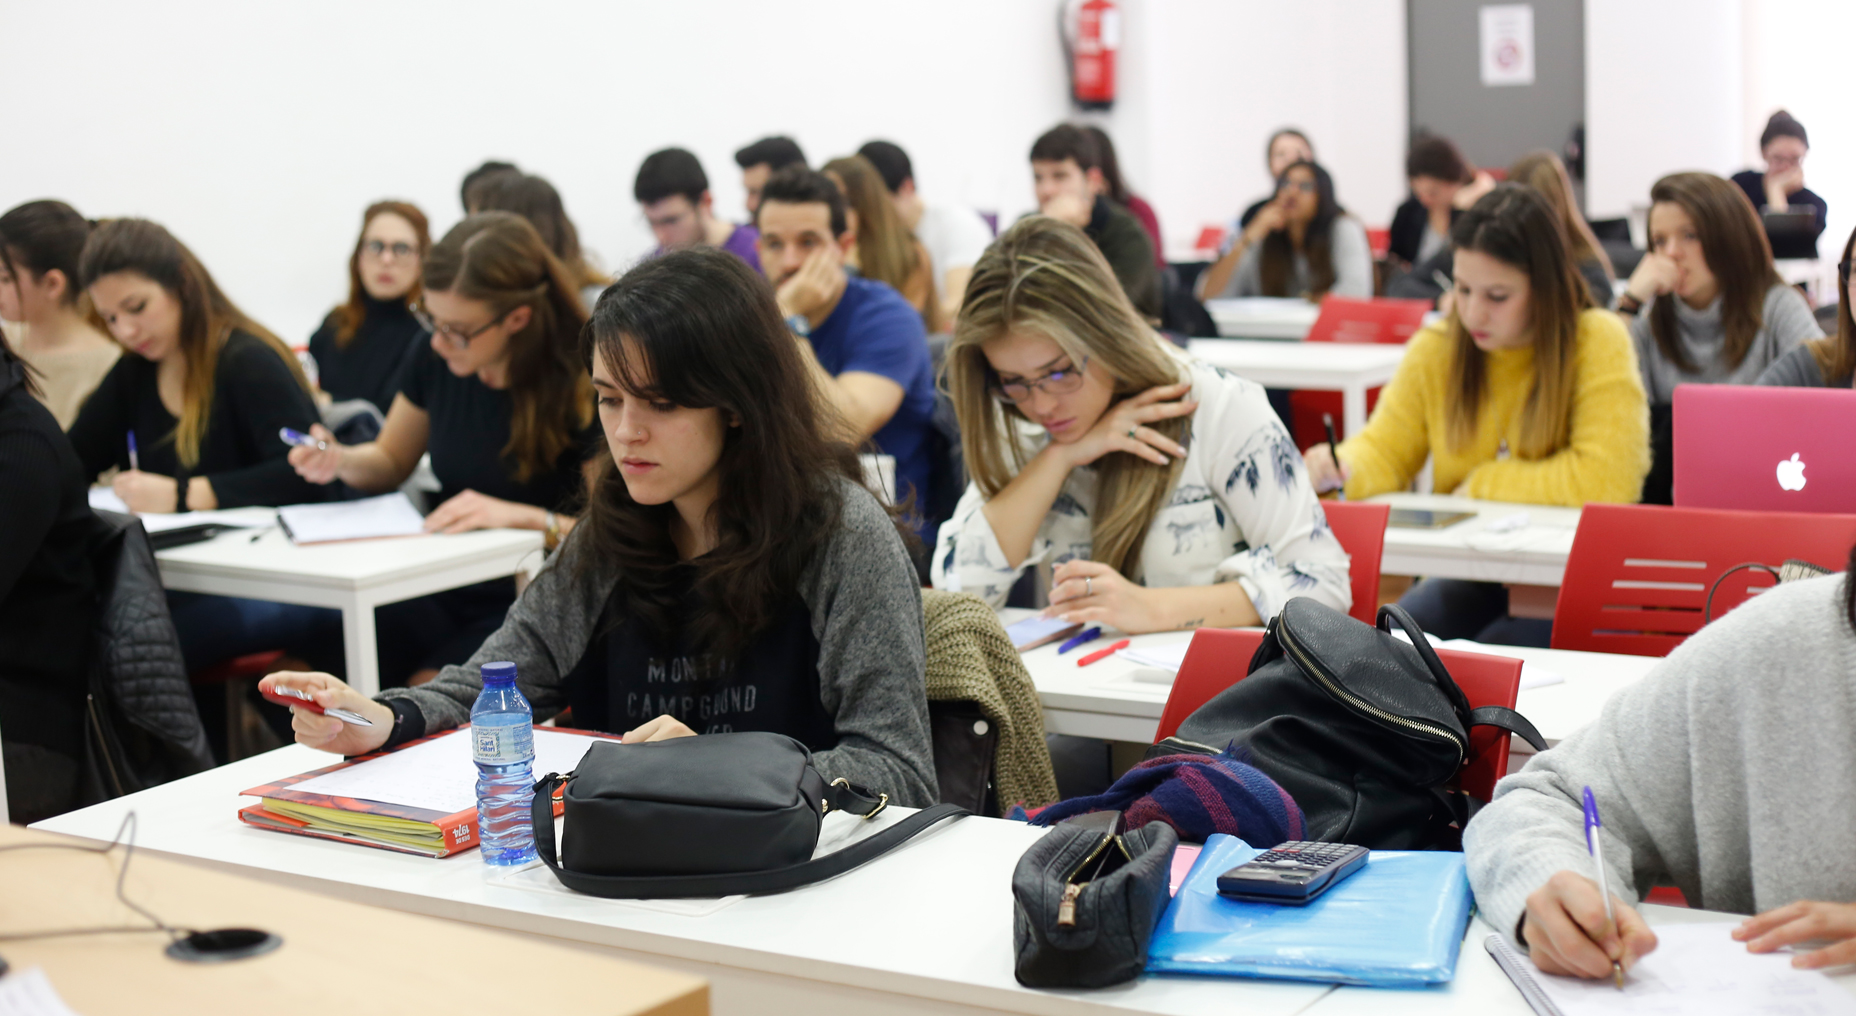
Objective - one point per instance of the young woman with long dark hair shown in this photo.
(1525, 393)
(1160, 492)
(1829, 362)
(732, 572)
(1302, 244)
(362, 344)
(40, 243)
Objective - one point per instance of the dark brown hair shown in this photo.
(42, 236)
(348, 316)
(1734, 245)
(207, 316)
(1276, 261)
(1782, 125)
(699, 328)
(1439, 159)
(1516, 225)
(1543, 171)
(1067, 141)
(1836, 354)
(536, 200)
(497, 257)
(29, 378)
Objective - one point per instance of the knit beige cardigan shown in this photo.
(971, 659)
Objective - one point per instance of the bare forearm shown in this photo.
(1219, 274)
(1016, 512)
(1225, 605)
(369, 467)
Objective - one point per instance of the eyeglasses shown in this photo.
(380, 248)
(1055, 382)
(460, 340)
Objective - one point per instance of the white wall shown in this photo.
(1806, 72)
(1663, 93)
(258, 132)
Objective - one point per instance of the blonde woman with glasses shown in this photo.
(501, 400)
(1164, 493)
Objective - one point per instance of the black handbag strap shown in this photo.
(1396, 614)
(840, 796)
(1509, 720)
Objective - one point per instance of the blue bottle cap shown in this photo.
(499, 673)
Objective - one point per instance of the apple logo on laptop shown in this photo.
(1791, 474)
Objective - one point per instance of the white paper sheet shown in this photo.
(31, 994)
(1696, 970)
(1170, 657)
(105, 499)
(370, 518)
(439, 774)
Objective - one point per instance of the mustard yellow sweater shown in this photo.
(1605, 458)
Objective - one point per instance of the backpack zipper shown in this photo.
(1333, 687)
(1066, 909)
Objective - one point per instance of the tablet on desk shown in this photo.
(1424, 518)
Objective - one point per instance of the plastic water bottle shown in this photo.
(502, 735)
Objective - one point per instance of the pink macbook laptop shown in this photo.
(1762, 448)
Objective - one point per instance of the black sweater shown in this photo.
(254, 394)
(1753, 184)
(368, 367)
(47, 585)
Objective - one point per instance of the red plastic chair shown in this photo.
(1638, 577)
(1347, 319)
(1361, 530)
(1380, 240)
(1220, 657)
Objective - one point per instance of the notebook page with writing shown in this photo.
(438, 775)
(1696, 970)
(369, 518)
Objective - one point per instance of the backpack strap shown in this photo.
(1509, 720)
(1396, 614)
(841, 796)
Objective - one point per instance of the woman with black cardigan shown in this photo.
(47, 600)
(363, 343)
(190, 419)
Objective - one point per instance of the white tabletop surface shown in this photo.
(1263, 317)
(1533, 554)
(1106, 700)
(929, 924)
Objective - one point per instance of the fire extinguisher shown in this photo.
(1091, 31)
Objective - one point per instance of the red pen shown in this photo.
(285, 695)
(1102, 654)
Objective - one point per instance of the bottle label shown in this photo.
(502, 746)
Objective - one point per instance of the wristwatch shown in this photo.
(800, 326)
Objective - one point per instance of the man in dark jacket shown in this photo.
(1067, 174)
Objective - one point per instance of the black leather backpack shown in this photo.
(1364, 730)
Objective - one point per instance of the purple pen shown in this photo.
(1087, 635)
(301, 440)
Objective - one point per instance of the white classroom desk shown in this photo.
(925, 929)
(353, 577)
(1104, 699)
(1278, 318)
(1346, 367)
(1534, 555)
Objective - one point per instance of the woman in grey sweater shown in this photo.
(1729, 771)
(1302, 244)
(731, 572)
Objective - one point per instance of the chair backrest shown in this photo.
(1361, 530)
(1380, 240)
(1349, 319)
(1220, 657)
(1638, 577)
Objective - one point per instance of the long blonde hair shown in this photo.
(1047, 277)
(886, 250)
(1543, 171)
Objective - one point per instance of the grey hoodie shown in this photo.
(866, 613)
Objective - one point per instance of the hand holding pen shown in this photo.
(1574, 927)
(316, 455)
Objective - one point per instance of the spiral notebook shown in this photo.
(1696, 970)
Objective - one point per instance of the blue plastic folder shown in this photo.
(1396, 923)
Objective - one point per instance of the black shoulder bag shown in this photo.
(708, 816)
(1364, 730)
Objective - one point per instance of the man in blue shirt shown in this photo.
(867, 342)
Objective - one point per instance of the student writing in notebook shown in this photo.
(1729, 771)
(732, 572)
(1163, 493)
(500, 399)
(1525, 393)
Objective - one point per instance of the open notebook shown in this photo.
(1696, 970)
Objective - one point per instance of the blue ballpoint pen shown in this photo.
(1592, 826)
(134, 460)
(1087, 635)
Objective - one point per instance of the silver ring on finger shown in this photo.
(1089, 585)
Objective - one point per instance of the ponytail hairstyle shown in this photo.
(45, 236)
(1047, 277)
(498, 258)
(699, 328)
(1516, 225)
(1276, 262)
(1734, 245)
(207, 316)
(536, 200)
(348, 316)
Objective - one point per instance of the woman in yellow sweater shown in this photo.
(1526, 393)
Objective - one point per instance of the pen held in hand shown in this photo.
(300, 439)
(1592, 827)
(135, 462)
(1327, 422)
